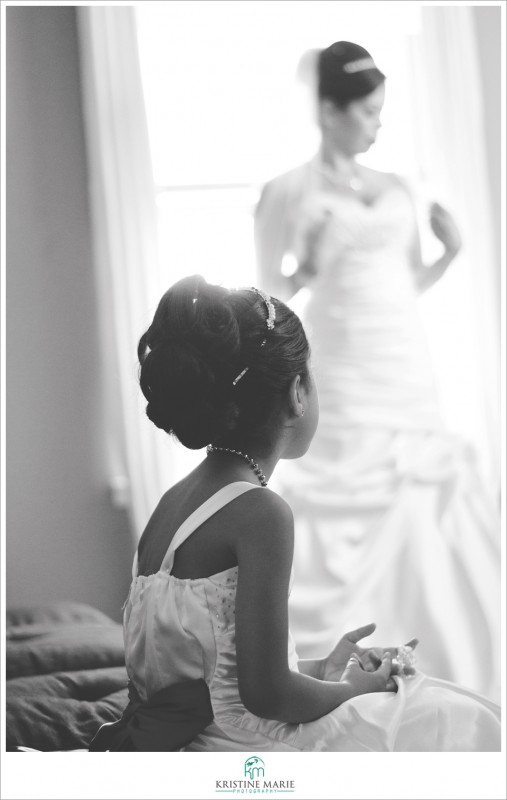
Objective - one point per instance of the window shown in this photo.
(226, 113)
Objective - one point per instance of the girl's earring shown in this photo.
(302, 412)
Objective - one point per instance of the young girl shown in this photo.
(208, 650)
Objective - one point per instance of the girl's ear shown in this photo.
(295, 397)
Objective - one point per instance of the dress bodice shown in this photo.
(360, 253)
(179, 629)
(360, 310)
(358, 248)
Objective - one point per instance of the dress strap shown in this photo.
(134, 565)
(213, 504)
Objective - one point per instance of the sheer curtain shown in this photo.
(123, 211)
(462, 312)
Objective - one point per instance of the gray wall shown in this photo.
(64, 538)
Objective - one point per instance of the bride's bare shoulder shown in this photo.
(378, 180)
(377, 183)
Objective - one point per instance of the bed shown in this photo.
(65, 676)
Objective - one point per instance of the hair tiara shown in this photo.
(270, 324)
(359, 65)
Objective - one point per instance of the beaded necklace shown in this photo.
(211, 448)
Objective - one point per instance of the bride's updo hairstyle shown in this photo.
(346, 72)
(201, 338)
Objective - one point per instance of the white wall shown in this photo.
(64, 540)
(488, 28)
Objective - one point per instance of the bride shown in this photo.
(392, 521)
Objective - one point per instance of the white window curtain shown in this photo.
(452, 157)
(124, 222)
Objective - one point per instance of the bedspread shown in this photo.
(65, 675)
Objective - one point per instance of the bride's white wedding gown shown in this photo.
(183, 629)
(392, 523)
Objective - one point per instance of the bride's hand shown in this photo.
(445, 229)
(333, 667)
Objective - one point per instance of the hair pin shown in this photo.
(270, 324)
(238, 378)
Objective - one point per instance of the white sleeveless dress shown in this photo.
(392, 523)
(179, 629)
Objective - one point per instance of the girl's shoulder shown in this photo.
(244, 524)
(261, 522)
(264, 533)
(263, 509)
(254, 510)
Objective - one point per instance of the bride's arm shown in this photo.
(271, 240)
(426, 275)
(446, 231)
(284, 252)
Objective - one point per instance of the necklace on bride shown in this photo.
(351, 181)
(211, 448)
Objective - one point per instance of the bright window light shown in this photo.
(226, 112)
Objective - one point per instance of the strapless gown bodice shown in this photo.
(360, 310)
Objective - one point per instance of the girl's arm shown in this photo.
(268, 688)
(313, 667)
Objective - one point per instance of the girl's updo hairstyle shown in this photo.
(346, 72)
(201, 338)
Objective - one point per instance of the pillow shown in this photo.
(63, 712)
(56, 613)
(65, 647)
(89, 684)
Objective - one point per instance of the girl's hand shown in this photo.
(445, 229)
(362, 681)
(332, 667)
